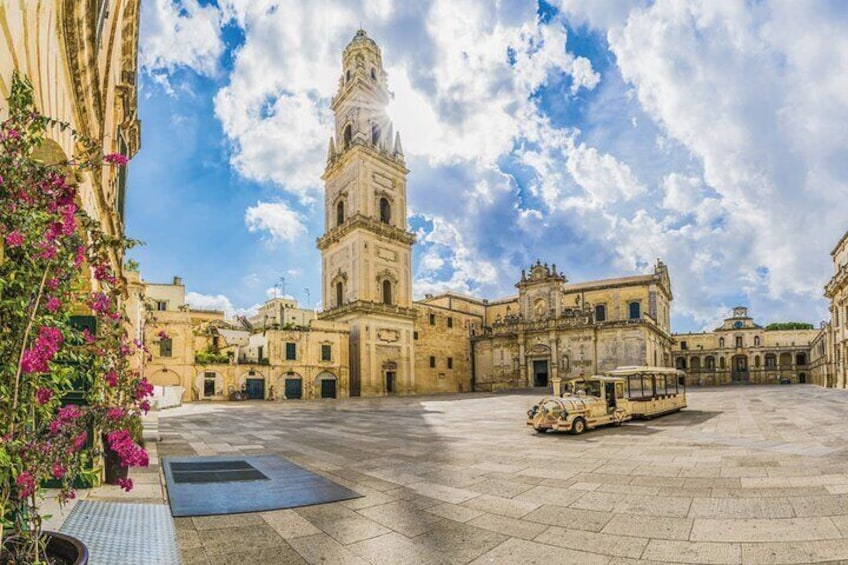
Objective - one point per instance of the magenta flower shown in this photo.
(52, 304)
(79, 441)
(58, 470)
(43, 396)
(15, 239)
(111, 378)
(115, 159)
(52, 284)
(26, 484)
(125, 484)
(143, 389)
(69, 413)
(47, 344)
(115, 414)
(101, 303)
(88, 336)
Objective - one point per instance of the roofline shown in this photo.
(839, 243)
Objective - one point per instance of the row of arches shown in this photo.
(384, 206)
(288, 386)
(347, 135)
(386, 292)
(740, 362)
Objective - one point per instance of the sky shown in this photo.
(598, 135)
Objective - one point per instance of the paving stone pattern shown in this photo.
(744, 475)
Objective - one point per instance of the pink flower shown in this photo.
(130, 453)
(66, 496)
(69, 413)
(26, 484)
(45, 347)
(115, 159)
(52, 304)
(115, 414)
(56, 427)
(79, 441)
(52, 284)
(58, 470)
(143, 389)
(79, 257)
(125, 484)
(102, 273)
(111, 378)
(162, 334)
(144, 406)
(88, 336)
(15, 239)
(43, 396)
(100, 302)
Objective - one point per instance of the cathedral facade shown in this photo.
(454, 343)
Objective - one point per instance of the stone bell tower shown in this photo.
(366, 248)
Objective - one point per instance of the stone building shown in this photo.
(830, 349)
(366, 247)
(210, 357)
(281, 312)
(743, 352)
(556, 329)
(453, 343)
(81, 57)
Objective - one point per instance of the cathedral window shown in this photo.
(756, 341)
(680, 363)
(450, 322)
(385, 211)
(340, 214)
(721, 362)
(432, 319)
(710, 361)
(387, 292)
(347, 76)
(348, 135)
(756, 361)
(600, 313)
(635, 311)
(373, 74)
(721, 342)
(450, 362)
(375, 134)
(739, 341)
(432, 361)
(339, 293)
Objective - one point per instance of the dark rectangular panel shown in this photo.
(228, 465)
(218, 476)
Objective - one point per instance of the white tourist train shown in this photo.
(613, 398)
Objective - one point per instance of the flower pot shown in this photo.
(66, 549)
(112, 467)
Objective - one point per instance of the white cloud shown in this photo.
(682, 193)
(180, 33)
(218, 302)
(281, 222)
(583, 75)
(603, 177)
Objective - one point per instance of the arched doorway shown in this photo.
(292, 385)
(739, 369)
(254, 384)
(326, 385)
(390, 376)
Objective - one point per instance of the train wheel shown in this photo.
(578, 426)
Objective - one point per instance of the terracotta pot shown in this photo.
(112, 467)
(67, 548)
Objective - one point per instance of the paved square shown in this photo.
(744, 475)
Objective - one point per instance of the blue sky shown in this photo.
(596, 135)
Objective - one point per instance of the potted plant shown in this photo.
(65, 375)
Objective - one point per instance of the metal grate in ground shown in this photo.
(129, 534)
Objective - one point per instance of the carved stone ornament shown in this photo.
(388, 335)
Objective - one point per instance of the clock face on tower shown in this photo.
(738, 324)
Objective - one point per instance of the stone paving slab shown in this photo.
(460, 479)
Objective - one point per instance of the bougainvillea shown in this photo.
(57, 263)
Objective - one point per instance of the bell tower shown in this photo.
(366, 248)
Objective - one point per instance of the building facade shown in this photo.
(211, 358)
(743, 352)
(81, 58)
(554, 329)
(834, 342)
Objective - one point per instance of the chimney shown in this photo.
(178, 281)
